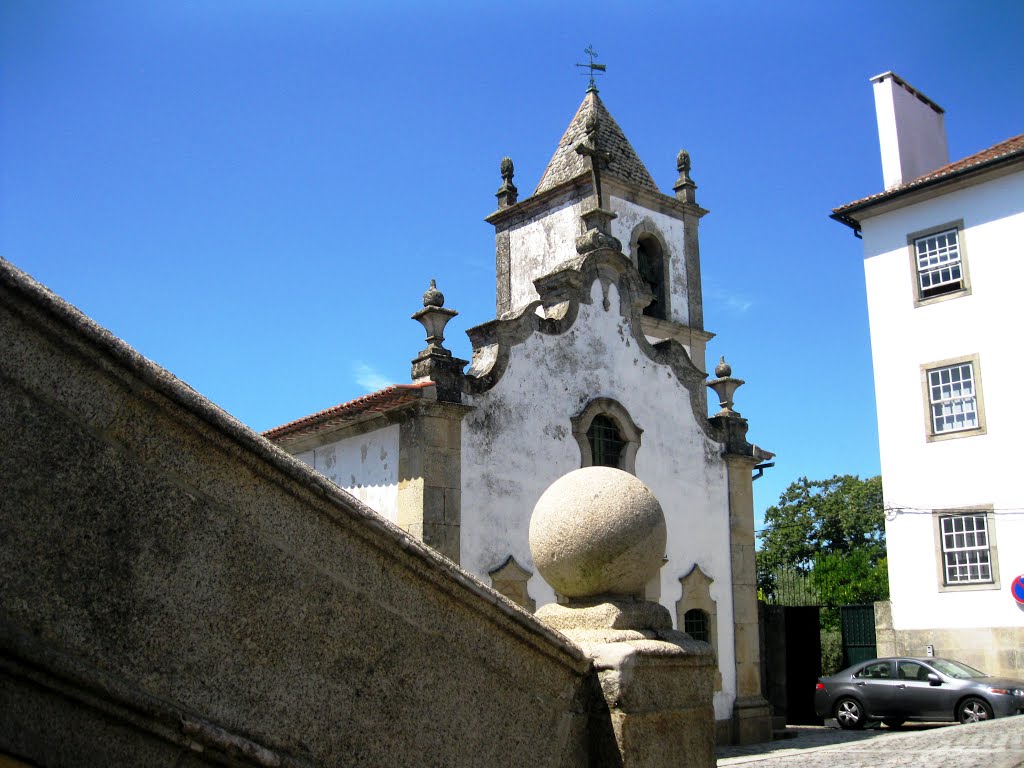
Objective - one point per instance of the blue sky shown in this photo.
(255, 195)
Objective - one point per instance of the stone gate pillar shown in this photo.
(597, 536)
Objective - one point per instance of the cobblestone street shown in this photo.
(995, 744)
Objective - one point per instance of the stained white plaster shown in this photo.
(919, 476)
(538, 245)
(365, 465)
(518, 440)
(629, 217)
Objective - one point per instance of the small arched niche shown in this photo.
(512, 581)
(697, 613)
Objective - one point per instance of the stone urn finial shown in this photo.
(434, 317)
(725, 387)
(435, 363)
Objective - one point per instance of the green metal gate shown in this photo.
(858, 626)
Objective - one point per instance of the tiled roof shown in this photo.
(386, 399)
(567, 164)
(1000, 151)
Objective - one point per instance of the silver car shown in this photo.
(899, 689)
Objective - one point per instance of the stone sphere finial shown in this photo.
(723, 369)
(433, 297)
(598, 531)
(507, 169)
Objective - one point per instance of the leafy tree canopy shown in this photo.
(835, 517)
(850, 579)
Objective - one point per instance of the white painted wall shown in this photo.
(365, 465)
(518, 440)
(538, 245)
(966, 471)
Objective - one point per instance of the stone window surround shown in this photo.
(696, 595)
(965, 277)
(648, 229)
(627, 428)
(930, 435)
(990, 522)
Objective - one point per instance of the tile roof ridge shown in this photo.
(391, 395)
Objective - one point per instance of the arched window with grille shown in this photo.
(606, 435)
(606, 442)
(697, 625)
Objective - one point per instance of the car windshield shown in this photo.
(955, 669)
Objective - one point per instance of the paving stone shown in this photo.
(995, 744)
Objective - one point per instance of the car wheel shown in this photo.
(892, 722)
(973, 711)
(850, 714)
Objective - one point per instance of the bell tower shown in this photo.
(595, 172)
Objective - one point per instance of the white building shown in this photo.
(596, 356)
(943, 265)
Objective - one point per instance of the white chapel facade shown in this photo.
(595, 356)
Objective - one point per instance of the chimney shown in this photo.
(911, 130)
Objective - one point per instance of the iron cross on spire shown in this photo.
(594, 68)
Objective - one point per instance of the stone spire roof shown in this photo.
(567, 164)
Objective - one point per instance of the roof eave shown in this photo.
(579, 187)
(369, 407)
(844, 214)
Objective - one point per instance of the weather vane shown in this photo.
(598, 69)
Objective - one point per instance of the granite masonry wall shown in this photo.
(174, 590)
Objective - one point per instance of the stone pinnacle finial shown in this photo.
(683, 163)
(507, 193)
(723, 368)
(685, 189)
(433, 297)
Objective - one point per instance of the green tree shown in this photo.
(850, 579)
(827, 522)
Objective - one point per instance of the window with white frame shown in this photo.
(939, 263)
(953, 398)
(966, 556)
